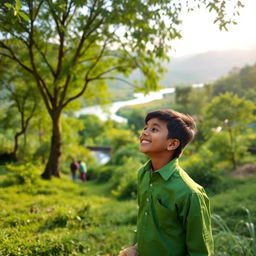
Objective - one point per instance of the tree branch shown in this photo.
(77, 95)
(97, 60)
(116, 78)
(40, 82)
(14, 57)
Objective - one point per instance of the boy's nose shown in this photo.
(145, 131)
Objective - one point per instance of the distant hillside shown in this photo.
(207, 66)
(200, 68)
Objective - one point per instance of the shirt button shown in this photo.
(147, 199)
(146, 213)
(151, 185)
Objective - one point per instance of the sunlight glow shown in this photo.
(201, 35)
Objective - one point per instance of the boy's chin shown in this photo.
(142, 150)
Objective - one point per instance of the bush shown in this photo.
(26, 174)
(100, 173)
(124, 180)
(126, 151)
(201, 167)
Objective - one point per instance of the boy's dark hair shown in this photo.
(180, 126)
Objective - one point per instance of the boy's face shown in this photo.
(153, 139)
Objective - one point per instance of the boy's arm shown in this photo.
(197, 223)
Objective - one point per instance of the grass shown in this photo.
(60, 217)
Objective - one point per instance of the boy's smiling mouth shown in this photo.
(144, 141)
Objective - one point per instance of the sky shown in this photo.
(201, 35)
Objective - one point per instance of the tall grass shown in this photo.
(239, 241)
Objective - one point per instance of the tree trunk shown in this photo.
(16, 145)
(53, 165)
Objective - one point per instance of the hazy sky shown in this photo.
(200, 34)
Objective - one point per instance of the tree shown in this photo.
(233, 114)
(182, 96)
(22, 100)
(239, 81)
(93, 127)
(72, 46)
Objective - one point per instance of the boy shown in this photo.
(174, 215)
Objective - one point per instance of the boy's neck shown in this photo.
(159, 162)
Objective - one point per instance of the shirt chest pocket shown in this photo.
(165, 213)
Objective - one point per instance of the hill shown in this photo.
(199, 68)
(206, 67)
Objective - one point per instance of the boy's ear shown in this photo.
(173, 144)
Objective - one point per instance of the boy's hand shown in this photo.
(131, 251)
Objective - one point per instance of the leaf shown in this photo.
(8, 5)
(24, 16)
(18, 5)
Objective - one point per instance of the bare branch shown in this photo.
(116, 78)
(103, 73)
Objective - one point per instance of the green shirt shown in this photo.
(174, 213)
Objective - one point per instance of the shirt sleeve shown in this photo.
(196, 219)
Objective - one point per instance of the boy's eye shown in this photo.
(151, 129)
(154, 130)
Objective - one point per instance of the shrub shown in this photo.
(126, 151)
(26, 174)
(201, 167)
(124, 180)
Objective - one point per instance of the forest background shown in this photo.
(43, 85)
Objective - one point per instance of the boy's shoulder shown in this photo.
(185, 186)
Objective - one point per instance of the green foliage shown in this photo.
(240, 82)
(127, 151)
(117, 138)
(228, 242)
(135, 117)
(182, 95)
(17, 11)
(237, 111)
(202, 168)
(232, 195)
(26, 174)
(93, 127)
(124, 179)
(233, 114)
(104, 173)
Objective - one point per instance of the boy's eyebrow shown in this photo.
(156, 124)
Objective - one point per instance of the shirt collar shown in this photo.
(166, 171)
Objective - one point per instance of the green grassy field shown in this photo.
(60, 217)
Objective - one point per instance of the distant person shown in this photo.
(83, 170)
(174, 214)
(74, 167)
